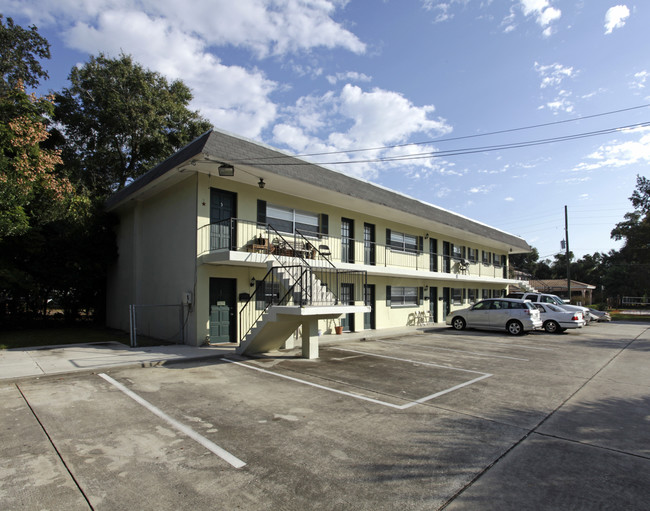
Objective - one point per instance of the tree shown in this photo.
(633, 261)
(31, 188)
(530, 264)
(20, 51)
(120, 119)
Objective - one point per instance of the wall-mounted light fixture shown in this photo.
(226, 170)
(261, 183)
(426, 236)
(253, 282)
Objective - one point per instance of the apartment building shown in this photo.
(230, 240)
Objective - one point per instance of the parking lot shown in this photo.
(435, 419)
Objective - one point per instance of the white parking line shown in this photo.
(508, 345)
(376, 401)
(208, 444)
(438, 348)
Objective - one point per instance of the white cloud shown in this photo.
(553, 74)
(615, 17)
(358, 119)
(229, 96)
(618, 153)
(484, 189)
(640, 79)
(544, 13)
(351, 76)
(509, 199)
(178, 41)
(265, 27)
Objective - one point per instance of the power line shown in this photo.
(453, 139)
(451, 152)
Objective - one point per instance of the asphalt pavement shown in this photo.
(422, 420)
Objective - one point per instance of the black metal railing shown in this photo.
(302, 286)
(318, 249)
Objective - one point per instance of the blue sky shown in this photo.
(315, 76)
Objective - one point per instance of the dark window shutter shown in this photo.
(387, 296)
(420, 295)
(324, 226)
(261, 211)
(420, 244)
(388, 237)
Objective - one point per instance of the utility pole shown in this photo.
(568, 262)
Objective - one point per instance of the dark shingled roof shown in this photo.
(237, 150)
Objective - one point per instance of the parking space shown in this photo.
(422, 421)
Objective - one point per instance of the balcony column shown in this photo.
(310, 338)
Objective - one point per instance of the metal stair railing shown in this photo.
(265, 293)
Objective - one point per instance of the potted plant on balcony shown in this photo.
(338, 329)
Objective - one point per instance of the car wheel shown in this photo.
(552, 327)
(514, 327)
(458, 323)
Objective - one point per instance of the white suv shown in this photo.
(513, 316)
(555, 300)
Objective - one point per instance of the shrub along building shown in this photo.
(252, 245)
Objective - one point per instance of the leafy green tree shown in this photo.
(32, 188)
(20, 51)
(120, 120)
(633, 261)
(530, 264)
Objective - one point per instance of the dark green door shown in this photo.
(347, 320)
(433, 303)
(368, 244)
(347, 240)
(369, 298)
(446, 301)
(223, 210)
(223, 310)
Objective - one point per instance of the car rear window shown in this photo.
(528, 305)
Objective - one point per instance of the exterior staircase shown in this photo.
(294, 294)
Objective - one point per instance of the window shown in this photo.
(457, 296)
(457, 252)
(496, 259)
(403, 242)
(472, 295)
(486, 257)
(289, 220)
(472, 254)
(401, 296)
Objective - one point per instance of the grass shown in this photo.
(54, 334)
(618, 315)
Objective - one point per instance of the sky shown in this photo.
(504, 111)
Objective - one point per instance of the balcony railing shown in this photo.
(301, 286)
(318, 249)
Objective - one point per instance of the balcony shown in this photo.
(239, 241)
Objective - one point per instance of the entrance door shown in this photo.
(368, 244)
(223, 210)
(433, 303)
(347, 240)
(446, 257)
(223, 308)
(446, 301)
(369, 298)
(347, 321)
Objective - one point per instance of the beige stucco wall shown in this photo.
(160, 240)
(156, 260)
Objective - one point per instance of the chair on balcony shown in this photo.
(324, 250)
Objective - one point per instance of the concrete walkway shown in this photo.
(50, 360)
(68, 358)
